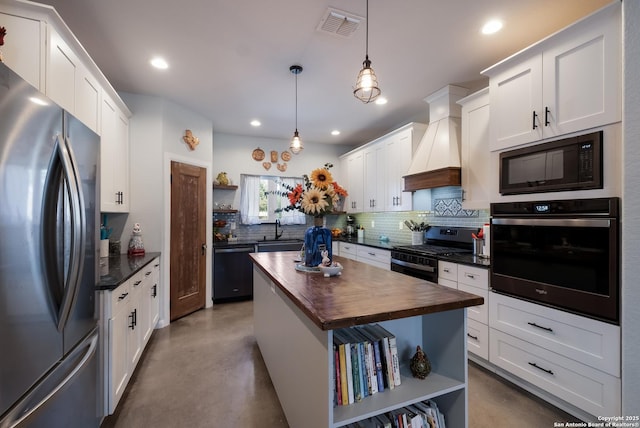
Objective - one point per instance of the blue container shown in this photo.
(316, 240)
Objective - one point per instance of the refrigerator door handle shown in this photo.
(51, 384)
(78, 222)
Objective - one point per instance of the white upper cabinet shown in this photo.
(355, 170)
(568, 82)
(374, 178)
(61, 70)
(114, 155)
(23, 49)
(375, 171)
(87, 98)
(398, 150)
(474, 152)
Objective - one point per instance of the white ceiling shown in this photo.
(229, 59)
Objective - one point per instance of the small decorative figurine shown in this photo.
(136, 247)
(420, 364)
(222, 179)
(326, 261)
(191, 140)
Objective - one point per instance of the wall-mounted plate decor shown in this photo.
(258, 154)
(266, 165)
(286, 156)
(282, 167)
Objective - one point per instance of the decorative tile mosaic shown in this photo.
(451, 207)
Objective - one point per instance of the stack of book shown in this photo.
(365, 363)
(423, 414)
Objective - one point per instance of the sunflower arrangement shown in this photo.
(318, 194)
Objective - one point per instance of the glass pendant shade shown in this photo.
(296, 143)
(367, 89)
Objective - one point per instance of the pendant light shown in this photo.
(296, 143)
(367, 88)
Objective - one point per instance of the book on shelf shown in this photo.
(346, 379)
(385, 335)
(369, 361)
(337, 396)
(393, 349)
(377, 356)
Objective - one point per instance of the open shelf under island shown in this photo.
(295, 314)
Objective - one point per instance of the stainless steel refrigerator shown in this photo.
(48, 262)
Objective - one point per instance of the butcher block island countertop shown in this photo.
(295, 314)
(362, 294)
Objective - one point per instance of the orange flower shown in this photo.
(339, 189)
(295, 195)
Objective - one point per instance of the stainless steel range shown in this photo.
(421, 261)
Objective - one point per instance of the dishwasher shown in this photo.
(232, 273)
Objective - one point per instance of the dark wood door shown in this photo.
(188, 239)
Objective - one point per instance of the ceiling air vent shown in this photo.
(339, 23)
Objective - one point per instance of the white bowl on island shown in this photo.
(332, 270)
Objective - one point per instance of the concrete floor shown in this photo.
(205, 370)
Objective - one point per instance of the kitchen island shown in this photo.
(296, 312)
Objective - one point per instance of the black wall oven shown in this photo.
(559, 253)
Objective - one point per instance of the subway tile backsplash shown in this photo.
(446, 211)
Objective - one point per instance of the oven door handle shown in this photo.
(562, 222)
(413, 265)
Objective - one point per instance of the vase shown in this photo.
(316, 240)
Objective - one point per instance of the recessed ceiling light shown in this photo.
(381, 101)
(492, 26)
(159, 63)
(335, 132)
(255, 122)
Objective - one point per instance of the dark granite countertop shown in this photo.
(467, 259)
(114, 270)
(371, 242)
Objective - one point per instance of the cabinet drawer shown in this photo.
(478, 338)
(348, 250)
(374, 254)
(589, 389)
(447, 270)
(448, 283)
(474, 276)
(591, 342)
(119, 298)
(479, 313)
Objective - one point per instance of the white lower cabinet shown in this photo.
(378, 257)
(574, 358)
(129, 313)
(474, 280)
(374, 256)
(347, 250)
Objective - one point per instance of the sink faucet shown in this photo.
(278, 224)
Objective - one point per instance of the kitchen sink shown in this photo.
(280, 245)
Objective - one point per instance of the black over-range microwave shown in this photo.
(573, 163)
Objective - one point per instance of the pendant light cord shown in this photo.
(296, 102)
(366, 42)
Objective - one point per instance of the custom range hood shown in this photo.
(436, 160)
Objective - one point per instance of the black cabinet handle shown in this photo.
(155, 290)
(135, 284)
(473, 337)
(148, 273)
(122, 296)
(532, 324)
(535, 116)
(540, 368)
(546, 116)
(132, 324)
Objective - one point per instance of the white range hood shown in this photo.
(436, 160)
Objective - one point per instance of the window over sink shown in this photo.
(259, 200)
